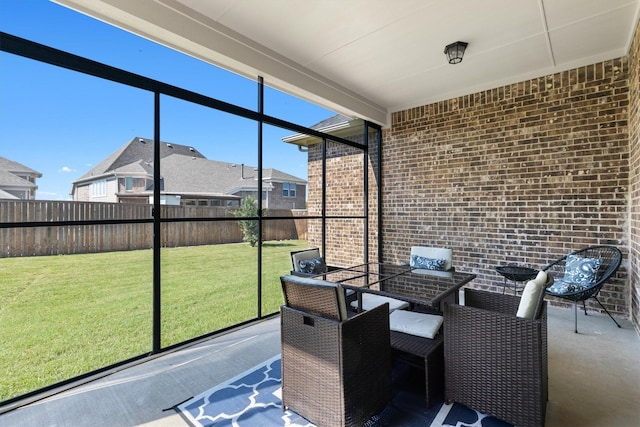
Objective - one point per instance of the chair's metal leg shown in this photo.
(585, 308)
(575, 315)
(607, 311)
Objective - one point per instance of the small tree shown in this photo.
(249, 227)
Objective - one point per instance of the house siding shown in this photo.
(112, 189)
(278, 201)
(82, 193)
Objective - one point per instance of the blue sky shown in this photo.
(61, 123)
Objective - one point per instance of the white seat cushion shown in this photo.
(419, 324)
(370, 301)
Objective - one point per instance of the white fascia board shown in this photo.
(108, 176)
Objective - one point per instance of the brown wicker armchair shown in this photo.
(336, 370)
(495, 362)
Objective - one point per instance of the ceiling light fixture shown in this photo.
(455, 51)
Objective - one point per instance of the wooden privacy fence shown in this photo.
(75, 239)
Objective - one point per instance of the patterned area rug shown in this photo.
(253, 399)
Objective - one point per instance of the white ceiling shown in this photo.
(369, 58)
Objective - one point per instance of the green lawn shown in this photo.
(61, 316)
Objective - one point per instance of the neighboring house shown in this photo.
(17, 181)
(188, 178)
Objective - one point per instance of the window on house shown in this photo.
(203, 203)
(288, 189)
(128, 183)
(99, 188)
(216, 203)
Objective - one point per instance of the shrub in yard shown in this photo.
(249, 227)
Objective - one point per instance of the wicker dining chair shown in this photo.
(336, 365)
(496, 362)
(604, 259)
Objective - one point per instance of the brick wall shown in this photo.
(521, 174)
(634, 174)
(345, 197)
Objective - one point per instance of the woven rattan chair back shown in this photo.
(496, 362)
(318, 297)
(336, 370)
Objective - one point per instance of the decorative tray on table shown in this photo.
(517, 273)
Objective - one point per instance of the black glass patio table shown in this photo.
(516, 274)
(426, 290)
(421, 287)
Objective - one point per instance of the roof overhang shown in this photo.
(5, 195)
(344, 129)
(176, 26)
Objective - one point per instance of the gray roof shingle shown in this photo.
(9, 171)
(185, 170)
(333, 120)
(137, 150)
(15, 167)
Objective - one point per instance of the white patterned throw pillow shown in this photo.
(579, 274)
(425, 263)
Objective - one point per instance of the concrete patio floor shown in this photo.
(594, 378)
